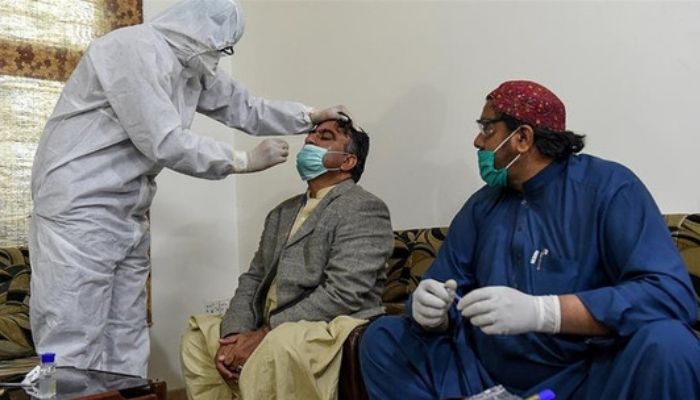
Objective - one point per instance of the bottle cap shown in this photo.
(47, 357)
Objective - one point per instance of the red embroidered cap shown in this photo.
(530, 103)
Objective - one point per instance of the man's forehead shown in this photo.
(330, 126)
(488, 111)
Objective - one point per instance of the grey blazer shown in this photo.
(333, 265)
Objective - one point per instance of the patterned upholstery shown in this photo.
(685, 231)
(15, 332)
(17, 354)
(414, 251)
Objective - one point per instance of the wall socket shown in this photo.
(216, 306)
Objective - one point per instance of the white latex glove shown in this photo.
(337, 112)
(266, 154)
(501, 310)
(431, 301)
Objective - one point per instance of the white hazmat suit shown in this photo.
(124, 115)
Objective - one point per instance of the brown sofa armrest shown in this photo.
(350, 383)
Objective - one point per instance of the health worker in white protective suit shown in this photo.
(123, 116)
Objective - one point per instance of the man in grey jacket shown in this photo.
(318, 272)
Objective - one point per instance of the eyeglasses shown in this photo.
(486, 125)
(228, 50)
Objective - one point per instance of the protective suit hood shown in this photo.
(196, 27)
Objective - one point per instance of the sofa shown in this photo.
(414, 251)
(17, 354)
(16, 347)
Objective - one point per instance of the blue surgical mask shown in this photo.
(493, 176)
(310, 161)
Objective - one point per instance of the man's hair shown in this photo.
(557, 145)
(358, 144)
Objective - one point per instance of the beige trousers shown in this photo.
(296, 360)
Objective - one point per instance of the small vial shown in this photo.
(495, 393)
(546, 394)
(47, 376)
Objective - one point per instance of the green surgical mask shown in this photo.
(487, 167)
(310, 161)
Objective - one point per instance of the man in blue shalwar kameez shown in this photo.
(564, 275)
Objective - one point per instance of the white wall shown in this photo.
(194, 247)
(415, 74)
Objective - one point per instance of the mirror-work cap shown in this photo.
(530, 103)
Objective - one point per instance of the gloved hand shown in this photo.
(337, 112)
(431, 301)
(501, 310)
(268, 153)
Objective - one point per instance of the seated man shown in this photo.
(568, 276)
(318, 273)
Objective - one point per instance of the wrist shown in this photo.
(240, 161)
(441, 327)
(548, 314)
(308, 115)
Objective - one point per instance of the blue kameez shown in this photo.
(582, 225)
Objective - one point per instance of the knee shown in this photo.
(192, 349)
(282, 340)
(667, 343)
(381, 338)
(188, 341)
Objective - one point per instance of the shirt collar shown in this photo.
(545, 176)
(319, 195)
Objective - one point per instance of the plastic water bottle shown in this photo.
(47, 376)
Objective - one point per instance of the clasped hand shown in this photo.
(235, 350)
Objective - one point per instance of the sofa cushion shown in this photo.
(685, 231)
(414, 251)
(15, 332)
